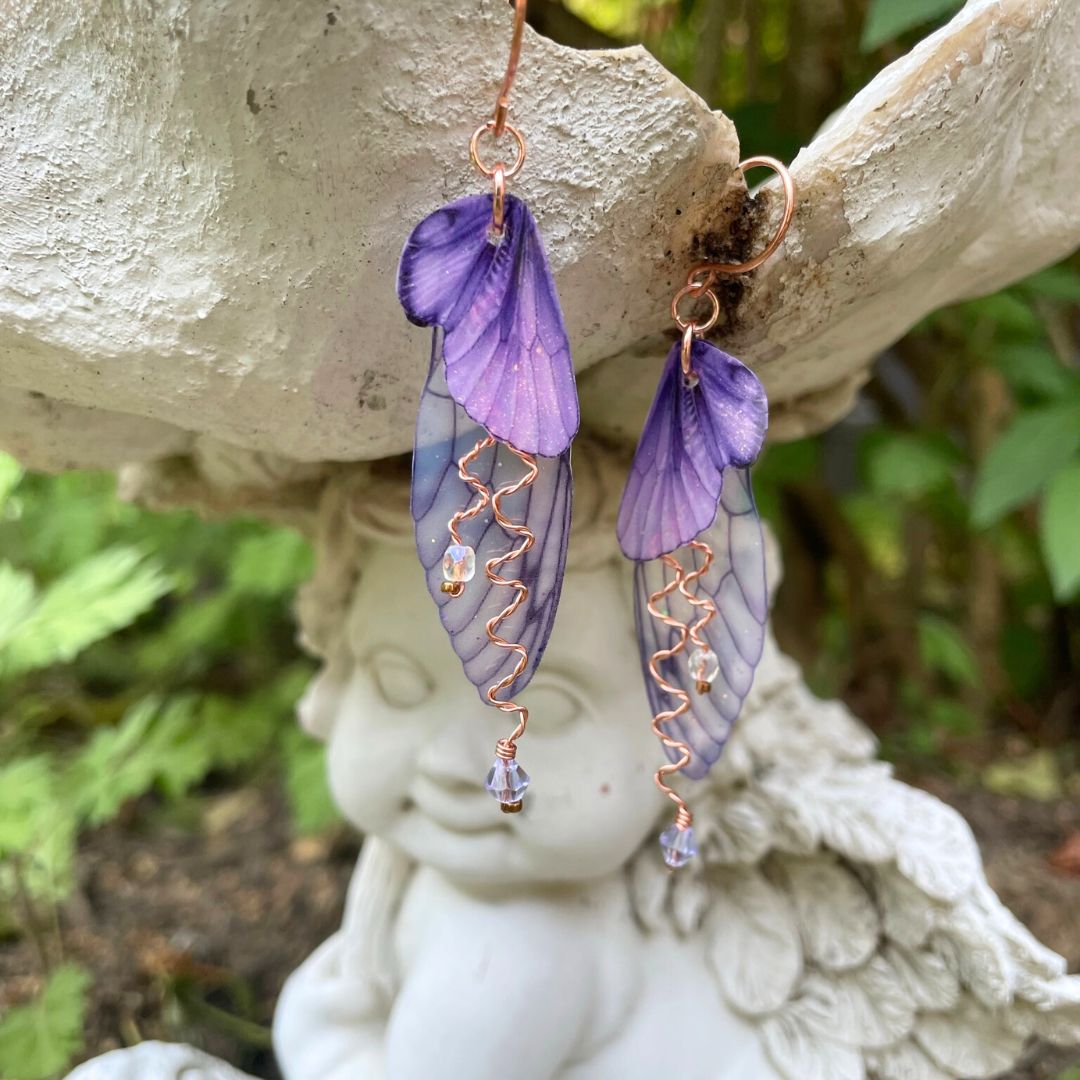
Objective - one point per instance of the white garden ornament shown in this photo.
(201, 216)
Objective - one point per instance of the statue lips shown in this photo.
(463, 808)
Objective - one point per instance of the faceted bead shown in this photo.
(704, 665)
(678, 846)
(459, 563)
(507, 781)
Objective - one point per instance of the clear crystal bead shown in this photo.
(507, 781)
(704, 665)
(678, 846)
(458, 563)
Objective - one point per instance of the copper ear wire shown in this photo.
(683, 818)
(497, 126)
(710, 270)
(702, 277)
(506, 749)
(502, 102)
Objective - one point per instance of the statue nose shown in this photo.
(456, 755)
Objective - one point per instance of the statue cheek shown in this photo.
(371, 757)
(597, 813)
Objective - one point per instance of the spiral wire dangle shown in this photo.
(683, 817)
(507, 748)
(702, 601)
(456, 588)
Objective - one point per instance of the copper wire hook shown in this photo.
(710, 270)
(502, 103)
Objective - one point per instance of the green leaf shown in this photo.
(39, 1040)
(153, 743)
(908, 464)
(878, 523)
(1055, 283)
(313, 808)
(37, 828)
(97, 597)
(26, 786)
(10, 475)
(1033, 370)
(888, 19)
(271, 565)
(1036, 445)
(16, 600)
(942, 649)
(1059, 531)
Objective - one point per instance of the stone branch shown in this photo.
(202, 209)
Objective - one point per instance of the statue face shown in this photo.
(410, 742)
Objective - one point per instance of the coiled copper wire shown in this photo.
(703, 601)
(507, 748)
(456, 588)
(683, 817)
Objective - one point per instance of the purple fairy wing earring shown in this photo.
(689, 522)
(491, 462)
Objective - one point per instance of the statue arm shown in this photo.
(514, 1009)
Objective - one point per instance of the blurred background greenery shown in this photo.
(148, 666)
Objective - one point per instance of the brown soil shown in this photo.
(190, 931)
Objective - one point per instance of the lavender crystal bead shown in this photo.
(507, 781)
(678, 846)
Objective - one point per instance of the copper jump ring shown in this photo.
(489, 170)
(498, 200)
(691, 324)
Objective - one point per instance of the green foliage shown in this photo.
(908, 464)
(313, 808)
(37, 829)
(37, 1040)
(1059, 530)
(1037, 444)
(140, 656)
(103, 594)
(888, 19)
(271, 564)
(943, 650)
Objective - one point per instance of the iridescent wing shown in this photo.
(736, 582)
(506, 350)
(443, 435)
(693, 433)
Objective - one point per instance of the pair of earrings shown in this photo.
(492, 483)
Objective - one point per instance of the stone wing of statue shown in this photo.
(846, 913)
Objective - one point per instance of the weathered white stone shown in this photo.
(201, 208)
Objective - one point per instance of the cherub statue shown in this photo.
(836, 926)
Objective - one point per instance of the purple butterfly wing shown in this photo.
(507, 354)
(736, 582)
(443, 435)
(691, 435)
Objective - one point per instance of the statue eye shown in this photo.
(553, 702)
(403, 683)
